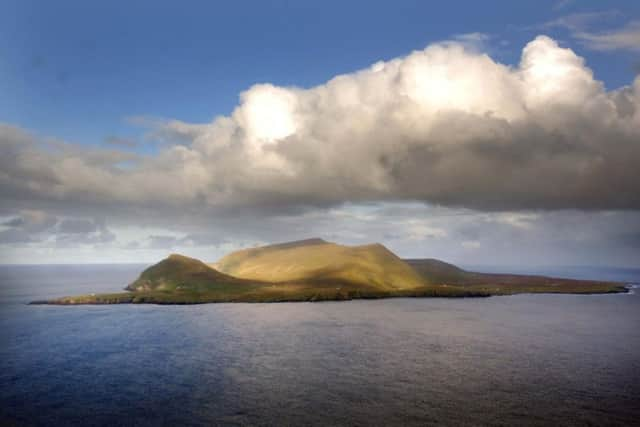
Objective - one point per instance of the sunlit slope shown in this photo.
(178, 272)
(318, 261)
(438, 272)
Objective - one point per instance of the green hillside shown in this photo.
(318, 261)
(178, 272)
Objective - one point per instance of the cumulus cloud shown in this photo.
(445, 125)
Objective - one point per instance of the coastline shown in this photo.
(158, 298)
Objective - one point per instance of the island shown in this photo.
(317, 270)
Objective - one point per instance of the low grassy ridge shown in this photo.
(507, 284)
(315, 270)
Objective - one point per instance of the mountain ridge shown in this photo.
(371, 265)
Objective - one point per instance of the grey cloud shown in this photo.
(204, 239)
(75, 240)
(14, 222)
(98, 238)
(36, 226)
(32, 221)
(133, 245)
(163, 242)
(200, 239)
(74, 226)
(630, 240)
(79, 231)
(13, 235)
(461, 236)
(28, 226)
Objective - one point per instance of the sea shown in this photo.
(548, 360)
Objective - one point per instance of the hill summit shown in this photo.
(180, 272)
(319, 261)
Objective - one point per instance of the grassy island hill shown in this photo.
(316, 270)
(320, 262)
(178, 272)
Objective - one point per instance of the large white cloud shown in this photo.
(444, 125)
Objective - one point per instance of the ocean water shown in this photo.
(516, 360)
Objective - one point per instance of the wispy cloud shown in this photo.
(581, 27)
(580, 21)
(474, 41)
(562, 4)
(625, 38)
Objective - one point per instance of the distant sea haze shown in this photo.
(509, 360)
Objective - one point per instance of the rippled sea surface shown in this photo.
(518, 360)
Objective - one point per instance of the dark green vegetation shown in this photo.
(315, 270)
(506, 284)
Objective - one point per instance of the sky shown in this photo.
(482, 133)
